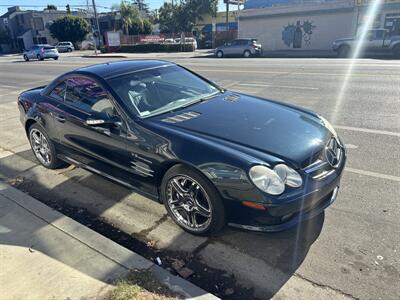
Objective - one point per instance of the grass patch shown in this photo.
(141, 285)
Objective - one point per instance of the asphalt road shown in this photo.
(352, 251)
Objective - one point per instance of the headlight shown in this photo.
(267, 180)
(329, 126)
(289, 176)
(273, 181)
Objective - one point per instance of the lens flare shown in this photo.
(356, 52)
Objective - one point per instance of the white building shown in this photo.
(313, 26)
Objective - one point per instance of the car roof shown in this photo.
(117, 68)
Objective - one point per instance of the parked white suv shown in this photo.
(65, 47)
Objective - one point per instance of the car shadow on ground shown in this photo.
(260, 262)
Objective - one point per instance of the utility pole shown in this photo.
(227, 16)
(97, 25)
(238, 16)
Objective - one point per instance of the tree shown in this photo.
(51, 7)
(68, 8)
(129, 12)
(167, 18)
(140, 26)
(183, 16)
(147, 27)
(153, 16)
(70, 28)
(142, 6)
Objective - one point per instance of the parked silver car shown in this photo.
(41, 52)
(239, 47)
(65, 47)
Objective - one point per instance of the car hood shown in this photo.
(277, 129)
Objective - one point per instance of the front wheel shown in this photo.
(55, 58)
(69, 50)
(220, 54)
(26, 58)
(246, 54)
(39, 57)
(343, 51)
(43, 148)
(192, 201)
(396, 51)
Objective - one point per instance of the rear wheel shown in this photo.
(55, 58)
(43, 148)
(69, 50)
(220, 54)
(26, 58)
(246, 54)
(344, 51)
(192, 201)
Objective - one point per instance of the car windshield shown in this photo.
(158, 90)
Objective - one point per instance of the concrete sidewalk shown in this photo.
(46, 255)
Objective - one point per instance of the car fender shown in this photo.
(221, 162)
(33, 115)
(394, 44)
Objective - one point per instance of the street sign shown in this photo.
(113, 39)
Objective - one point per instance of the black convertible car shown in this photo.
(212, 156)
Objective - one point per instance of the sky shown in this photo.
(103, 5)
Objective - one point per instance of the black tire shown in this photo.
(219, 54)
(246, 54)
(54, 161)
(343, 51)
(26, 58)
(396, 51)
(39, 57)
(69, 50)
(216, 220)
(55, 58)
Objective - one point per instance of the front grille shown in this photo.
(329, 160)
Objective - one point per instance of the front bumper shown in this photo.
(290, 208)
(294, 219)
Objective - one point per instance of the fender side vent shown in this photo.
(182, 117)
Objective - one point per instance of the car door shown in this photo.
(374, 40)
(82, 136)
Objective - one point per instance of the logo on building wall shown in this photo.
(294, 35)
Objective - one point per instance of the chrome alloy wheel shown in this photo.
(189, 203)
(40, 147)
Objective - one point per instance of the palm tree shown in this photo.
(129, 12)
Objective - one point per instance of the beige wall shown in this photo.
(328, 27)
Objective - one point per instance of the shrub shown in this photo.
(145, 48)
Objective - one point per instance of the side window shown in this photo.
(379, 34)
(85, 94)
(58, 92)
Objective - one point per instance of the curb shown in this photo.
(113, 251)
(104, 56)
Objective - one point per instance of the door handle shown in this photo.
(59, 118)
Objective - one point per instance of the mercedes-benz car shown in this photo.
(210, 155)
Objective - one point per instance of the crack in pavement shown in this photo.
(325, 286)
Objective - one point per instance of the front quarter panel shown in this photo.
(225, 167)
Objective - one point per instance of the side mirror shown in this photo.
(104, 122)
